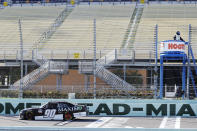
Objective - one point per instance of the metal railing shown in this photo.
(77, 54)
(40, 73)
(58, 21)
(32, 77)
(112, 79)
(108, 58)
(46, 66)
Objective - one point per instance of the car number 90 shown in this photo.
(49, 113)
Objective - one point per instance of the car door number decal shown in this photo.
(49, 113)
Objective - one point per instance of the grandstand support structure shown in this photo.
(101, 72)
(184, 58)
(132, 27)
(46, 66)
(49, 67)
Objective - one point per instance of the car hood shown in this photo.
(27, 109)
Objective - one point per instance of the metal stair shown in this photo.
(32, 77)
(57, 23)
(50, 67)
(104, 74)
(112, 79)
(46, 66)
(109, 77)
(132, 27)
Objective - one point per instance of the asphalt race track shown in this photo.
(105, 122)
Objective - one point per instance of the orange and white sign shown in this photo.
(172, 45)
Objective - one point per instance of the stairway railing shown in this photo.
(46, 66)
(57, 23)
(107, 59)
(133, 25)
(112, 79)
(109, 77)
(32, 77)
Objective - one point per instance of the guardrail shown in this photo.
(77, 54)
(47, 128)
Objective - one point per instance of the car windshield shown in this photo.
(43, 106)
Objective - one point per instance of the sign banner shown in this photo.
(172, 46)
(111, 107)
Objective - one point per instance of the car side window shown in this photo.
(44, 106)
(69, 105)
(54, 106)
(64, 105)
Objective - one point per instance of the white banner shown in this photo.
(172, 46)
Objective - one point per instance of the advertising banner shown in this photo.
(111, 107)
(172, 46)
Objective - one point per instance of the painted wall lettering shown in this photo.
(116, 107)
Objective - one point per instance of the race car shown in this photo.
(54, 111)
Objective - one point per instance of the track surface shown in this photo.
(108, 122)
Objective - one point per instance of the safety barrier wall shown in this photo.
(112, 107)
(47, 128)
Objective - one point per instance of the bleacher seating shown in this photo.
(35, 20)
(77, 30)
(170, 18)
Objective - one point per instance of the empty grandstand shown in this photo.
(170, 18)
(35, 21)
(77, 30)
(61, 42)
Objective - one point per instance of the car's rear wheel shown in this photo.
(68, 116)
(22, 117)
(29, 115)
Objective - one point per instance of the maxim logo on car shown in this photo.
(66, 109)
(117, 109)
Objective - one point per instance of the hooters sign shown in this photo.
(172, 46)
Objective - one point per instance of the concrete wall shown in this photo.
(112, 107)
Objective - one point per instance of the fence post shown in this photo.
(115, 54)
(188, 64)
(94, 58)
(21, 51)
(156, 68)
(133, 56)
